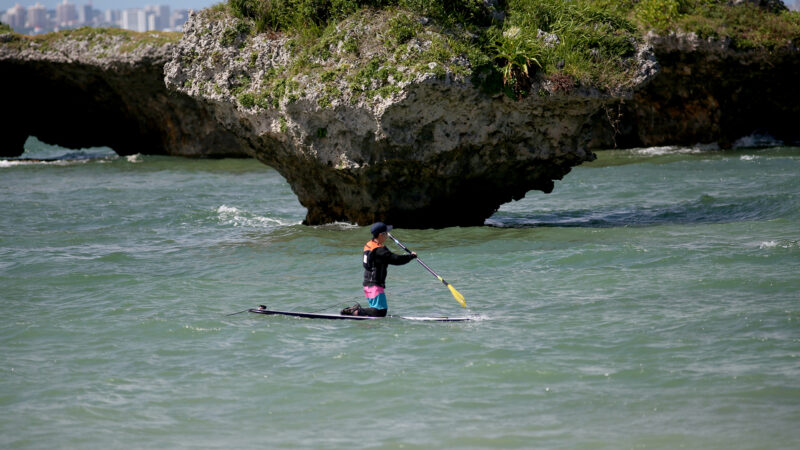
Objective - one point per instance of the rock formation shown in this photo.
(426, 148)
(94, 87)
(709, 92)
(365, 133)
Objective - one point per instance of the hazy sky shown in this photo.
(115, 4)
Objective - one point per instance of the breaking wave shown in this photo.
(674, 150)
(782, 243)
(757, 140)
(236, 217)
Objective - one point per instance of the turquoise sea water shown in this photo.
(650, 301)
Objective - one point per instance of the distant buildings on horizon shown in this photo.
(37, 19)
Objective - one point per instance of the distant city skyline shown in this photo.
(115, 4)
(38, 18)
(174, 4)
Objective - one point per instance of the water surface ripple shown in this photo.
(650, 301)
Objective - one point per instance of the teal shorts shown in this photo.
(379, 302)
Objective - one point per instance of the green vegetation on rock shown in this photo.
(279, 15)
(468, 38)
(751, 24)
(247, 100)
(367, 48)
(132, 39)
(102, 38)
(747, 26)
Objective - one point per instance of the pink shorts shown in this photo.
(372, 291)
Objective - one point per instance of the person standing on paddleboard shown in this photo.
(376, 261)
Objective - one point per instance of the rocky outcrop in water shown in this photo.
(709, 92)
(95, 87)
(416, 147)
(364, 135)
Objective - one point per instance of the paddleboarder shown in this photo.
(376, 261)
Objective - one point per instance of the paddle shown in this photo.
(457, 295)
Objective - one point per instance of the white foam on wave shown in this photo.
(134, 159)
(340, 226)
(757, 140)
(675, 150)
(228, 210)
(193, 328)
(6, 163)
(779, 244)
(748, 157)
(234, 216)
(671, 150)
(656, 151)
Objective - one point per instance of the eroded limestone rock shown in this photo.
(419, 146)
(95, 87)
(706, 92)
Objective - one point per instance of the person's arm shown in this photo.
(386, 255)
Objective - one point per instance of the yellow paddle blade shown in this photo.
(457, 295)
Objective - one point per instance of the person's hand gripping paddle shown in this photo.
(457, 295)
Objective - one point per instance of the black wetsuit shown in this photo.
(376, 261)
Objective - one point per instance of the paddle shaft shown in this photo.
(456, 295)
(418, 260)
